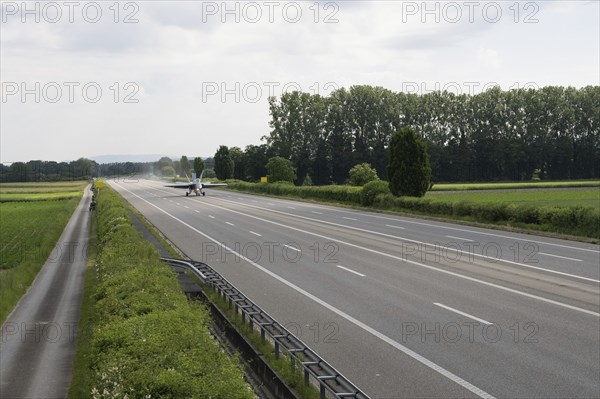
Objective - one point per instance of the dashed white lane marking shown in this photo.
(395, 227)
(351, 271)
(462, 313)
(459, 238)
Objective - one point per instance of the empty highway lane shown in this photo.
(403, 307)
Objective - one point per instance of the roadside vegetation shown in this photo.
(143, 339)
(574, 212)
(29, 230)
(514, 185)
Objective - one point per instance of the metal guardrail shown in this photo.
(325, 376)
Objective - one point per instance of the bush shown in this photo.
(409, 170)
(371, 190)
(280, 169)
(346, 194)
(362, 174)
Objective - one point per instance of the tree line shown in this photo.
(547, 133)
(85, 169)
(34, 171)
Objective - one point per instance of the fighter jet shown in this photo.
(195, 185)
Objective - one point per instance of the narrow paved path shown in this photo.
(38, 343)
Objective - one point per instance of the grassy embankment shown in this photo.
(140, 337)
(29, 230)
(559, 207)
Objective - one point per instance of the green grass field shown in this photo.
(29, 230)
(515, 185)
(539, 197)
(17, 192)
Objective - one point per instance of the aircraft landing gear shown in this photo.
(203, 193)
(187, 194)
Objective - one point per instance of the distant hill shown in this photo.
(128, 158)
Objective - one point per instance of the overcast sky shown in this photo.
(183, 77)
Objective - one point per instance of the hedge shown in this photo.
(576, 220)
(147, 340)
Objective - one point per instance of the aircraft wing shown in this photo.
(211, 185)
(186, 186)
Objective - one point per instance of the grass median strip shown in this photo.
(142, 337)
(573, 211)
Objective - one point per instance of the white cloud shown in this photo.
(174, 51)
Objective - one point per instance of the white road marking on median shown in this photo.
(318, 213)
(256, 234)
(186, 207)
(468, 253)
(404, 259)
(177, 203)
(459, 238)
(293, 248)
(396, 227)
(462, 313)
(210, 216)
(170, 200)
(351, 271)
(348, 218)
(270, 203)
(421, 359)
(231, 224)
(290, 207)
(255, 201)
(561, 257)
(487, 234)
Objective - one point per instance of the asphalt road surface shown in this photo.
(38, 342)
(403, 307)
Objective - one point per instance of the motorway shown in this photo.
(401, 306)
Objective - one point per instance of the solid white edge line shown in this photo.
(564, 305)
(411, 261)
(561, 257)
(486, 234)
(460, 238)
(344, 217)
(317, 213)
(421, 242)
(462, 313)
(351, 271)
(370, 214)
(421, 359)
